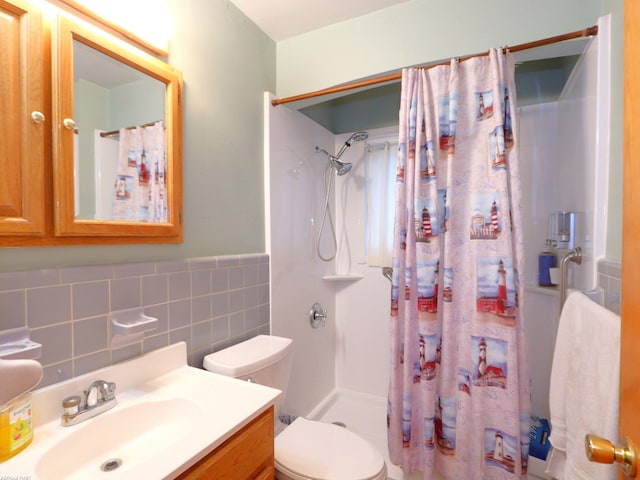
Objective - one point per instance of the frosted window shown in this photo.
(380, 165)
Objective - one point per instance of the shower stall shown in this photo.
(341, 370)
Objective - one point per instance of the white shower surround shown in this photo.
(564, 146)
(352, 350)
(294, 199)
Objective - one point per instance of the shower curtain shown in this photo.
(459, 399)
(140, 189)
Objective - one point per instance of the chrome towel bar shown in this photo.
(574, 256)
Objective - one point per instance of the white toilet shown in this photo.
(306, 449)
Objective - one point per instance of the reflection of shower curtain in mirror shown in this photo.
(459, 387)
(140, 189)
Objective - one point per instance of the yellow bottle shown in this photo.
(16, 429)
(17, 378)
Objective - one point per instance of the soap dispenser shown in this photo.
(546, 260)
(17, 378)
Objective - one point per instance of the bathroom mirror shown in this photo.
(117, 138)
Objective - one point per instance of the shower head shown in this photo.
(356, 137)
(341, 167)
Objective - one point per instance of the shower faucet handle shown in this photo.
(317, 316)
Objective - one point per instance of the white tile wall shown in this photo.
(294, 210)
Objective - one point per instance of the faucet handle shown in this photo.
(107, 390)
(100, 391)
(110, 390)
(91, 396)
(71, 405)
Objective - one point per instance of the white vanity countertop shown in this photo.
(210, 408)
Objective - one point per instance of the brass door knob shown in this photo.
(69, 124)
(601, 450)
(37, 117)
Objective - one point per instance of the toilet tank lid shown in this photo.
(249, 356)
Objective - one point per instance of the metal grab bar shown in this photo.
(387, 272)
(574, 256)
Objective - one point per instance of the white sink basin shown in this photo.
(169, 416)
(119, 440)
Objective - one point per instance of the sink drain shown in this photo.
(340, 424)
(111, 465)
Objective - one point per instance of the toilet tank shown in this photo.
(265, 359)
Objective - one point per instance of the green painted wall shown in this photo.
(419, 32)
(136, 103)
(614, 213)
(91, 111)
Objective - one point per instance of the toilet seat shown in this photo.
(312, 450)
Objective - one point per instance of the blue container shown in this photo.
(546, 260)
(539, 432)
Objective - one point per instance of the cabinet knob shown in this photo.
(69, 124)
(37, 117)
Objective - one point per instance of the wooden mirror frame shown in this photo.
(65, 223)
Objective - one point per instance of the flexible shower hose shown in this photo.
(328, 178)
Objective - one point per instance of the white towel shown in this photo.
(584, 389)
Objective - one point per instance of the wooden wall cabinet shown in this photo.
(248, 455)
(39, 184)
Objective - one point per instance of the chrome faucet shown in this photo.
(100, 391)
(98, 398)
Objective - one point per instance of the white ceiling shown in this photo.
(281, 19)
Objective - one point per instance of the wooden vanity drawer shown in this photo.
(248, 455)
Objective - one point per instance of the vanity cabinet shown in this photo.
(51, 179)
(23, 111)
(247, 455)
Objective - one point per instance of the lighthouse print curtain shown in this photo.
(459, 387)
(140, 188)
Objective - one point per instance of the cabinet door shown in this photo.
(248, 455)
(22, 119)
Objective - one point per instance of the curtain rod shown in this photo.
(586, 32)
(115, 132)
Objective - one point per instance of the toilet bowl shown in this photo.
(306, 449)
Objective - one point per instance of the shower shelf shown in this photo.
(342, 278)
(552, 291)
